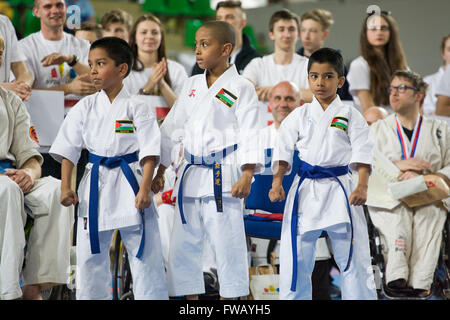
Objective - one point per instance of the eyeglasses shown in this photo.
(401, 88)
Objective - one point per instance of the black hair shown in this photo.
(223, 31)
(328, 55)
(117, 49)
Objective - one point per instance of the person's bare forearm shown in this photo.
(147, 177)
(20, 71)
(66, 174)
(280, 171)
(32, 167)
(363, 174)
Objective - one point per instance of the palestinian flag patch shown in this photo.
(226, 97)
(340, 123)
(124, 126)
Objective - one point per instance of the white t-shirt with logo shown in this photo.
(36, 47)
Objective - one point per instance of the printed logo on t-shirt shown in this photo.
(340, 123)
(226, 97)
(124, 126)
(59, 75)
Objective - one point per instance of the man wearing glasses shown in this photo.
(417, 145)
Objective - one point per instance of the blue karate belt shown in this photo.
(5, 164)
(307, 171)
(211, 161)
(110, 162)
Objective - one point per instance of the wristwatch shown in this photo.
(142, 91)
(74, 61)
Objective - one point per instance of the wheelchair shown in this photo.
(58, 292)
(441, 283)
(122, 282)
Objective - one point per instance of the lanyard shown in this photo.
(406, 152)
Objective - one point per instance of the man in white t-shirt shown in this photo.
(13, 60)
(283, 64)
(443, 95)
(52, 53)
(58, 61)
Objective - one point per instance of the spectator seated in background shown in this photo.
(314, 30)
(48, 246)
(283, 64)
(89, 31)
(58, 61)
(152, 73)
(117, 23)
(417, 145)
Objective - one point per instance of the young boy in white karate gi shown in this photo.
(123, 139)
(214, 117)
(332, 140)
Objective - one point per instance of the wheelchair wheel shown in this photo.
(443, 272)
(121, 278)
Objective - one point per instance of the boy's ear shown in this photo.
(227, 47)
(341, 81)
(123, 69)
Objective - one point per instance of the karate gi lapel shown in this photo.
(321, 120)
(204, 103)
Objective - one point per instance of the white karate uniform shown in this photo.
(322, 203)
(11, 53)
(48, 247)
(137, 79)
(268, 136)
(265, 72)
(433, 80)
(412, 237)
(205, 125)
(91, 125)
(358, 78)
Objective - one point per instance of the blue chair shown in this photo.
(258, 199)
